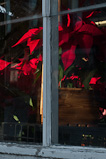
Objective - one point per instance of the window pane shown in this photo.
(20, 81)
(13, 9)
(72, 4)
(83, 3)
(82, 78)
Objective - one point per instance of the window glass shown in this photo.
(82, 78)
(13, 9)
(20, 79)
(83, 3)
(72, 4)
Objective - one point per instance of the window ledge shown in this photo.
(14, 151)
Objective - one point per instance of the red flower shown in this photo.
(81, 32)
(29, 34)
(27, 67)
(34, 45)
(3, 64)
(94, 80)
(68, 57)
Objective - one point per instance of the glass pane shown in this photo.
(82, 78)
(72, 4)
(13, 9)
(20, 81)
(83, 3)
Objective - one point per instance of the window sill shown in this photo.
(15, 151)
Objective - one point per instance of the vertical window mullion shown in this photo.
(50, 71)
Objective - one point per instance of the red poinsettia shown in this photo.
(3, 64)
(31, 33)
(27, 66)
(74, 31)
(81, 34)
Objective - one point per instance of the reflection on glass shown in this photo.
(13, 9)
(20, 82)
(72, 4)
(82, 79)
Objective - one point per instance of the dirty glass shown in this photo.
(20, 76)
(82, 78)
(13, 9)
(72, 4)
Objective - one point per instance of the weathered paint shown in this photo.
(50, 71)
(17, 151)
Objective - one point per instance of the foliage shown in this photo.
(82, 46)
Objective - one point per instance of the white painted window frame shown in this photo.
(50, 72)
(50, 85)
(50, 63)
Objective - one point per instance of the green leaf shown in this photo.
(37, 70)
(30, 102)
(16, 118)
(88, 78)
(61, 72)
(60, 51)
(37, 76)
(69, 85)
(69, 69)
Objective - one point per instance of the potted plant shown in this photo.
(82, 71)
(81, 57)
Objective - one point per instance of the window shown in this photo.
(20, 94)
(82, 94)
(47, 56)
(81, 56)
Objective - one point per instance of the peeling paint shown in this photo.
(17, 151)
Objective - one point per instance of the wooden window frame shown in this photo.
(50, 86)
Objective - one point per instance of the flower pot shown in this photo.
(77, 107)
